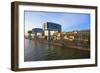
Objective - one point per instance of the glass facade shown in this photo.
(52, 26)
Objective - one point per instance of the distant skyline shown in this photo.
(68, 21)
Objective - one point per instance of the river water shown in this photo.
(39, 51)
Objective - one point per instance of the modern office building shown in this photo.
(50, 28)
(37, 32)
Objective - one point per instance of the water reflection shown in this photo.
(36, 51)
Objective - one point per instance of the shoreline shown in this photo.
(61, 44)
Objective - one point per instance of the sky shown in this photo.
(68, 21)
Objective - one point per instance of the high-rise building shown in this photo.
(50, 28)
(37, 32)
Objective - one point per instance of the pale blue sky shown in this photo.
(68, 21)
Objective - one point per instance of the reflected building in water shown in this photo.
(51, 43)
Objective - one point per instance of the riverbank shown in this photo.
(39, 50)
(66, 44)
